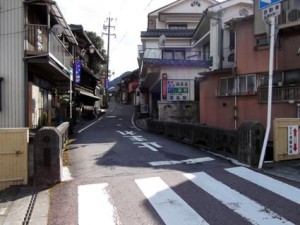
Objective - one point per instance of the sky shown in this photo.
(129, 18)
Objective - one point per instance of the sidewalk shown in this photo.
(24, 205)
(285, 169)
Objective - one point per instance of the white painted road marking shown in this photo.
(151, 145)
(277, 187)
(171, 208)
(247, 208)
(95, 207)
(186, 161)
(89, 125)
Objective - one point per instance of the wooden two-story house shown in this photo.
(88, 90)
(35, 63)
(170, 60)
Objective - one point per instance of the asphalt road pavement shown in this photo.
(124, 175)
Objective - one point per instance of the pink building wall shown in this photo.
(219, 111)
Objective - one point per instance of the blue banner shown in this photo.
(77, 71)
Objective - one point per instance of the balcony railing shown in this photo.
(40, 41)
(280, 94)
(152, 56)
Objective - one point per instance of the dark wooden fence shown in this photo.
(245, 143)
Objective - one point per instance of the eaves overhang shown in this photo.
(48, 69)
(79, 32)
(178, 33)
(168, 62)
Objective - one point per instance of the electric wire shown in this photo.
(126, 33)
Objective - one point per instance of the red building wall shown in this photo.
(220, 111)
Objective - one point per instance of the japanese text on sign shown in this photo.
(293, 148)
(178, 90)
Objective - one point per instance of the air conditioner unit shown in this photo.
(293, 15)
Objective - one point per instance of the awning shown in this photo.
(88, 94)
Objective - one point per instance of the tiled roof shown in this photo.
(168, 33)
(169, 62)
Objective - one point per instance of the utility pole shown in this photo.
(270, 15)
(107, 27)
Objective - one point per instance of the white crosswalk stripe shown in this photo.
(171, 208)
(95, 203)
(278, 187)
(247, 208)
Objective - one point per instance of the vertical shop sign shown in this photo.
(293, 148)
(77, 70)
(164, 85)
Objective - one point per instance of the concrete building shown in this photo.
(229, 98)
(170, 60)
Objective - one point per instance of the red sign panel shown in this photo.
(164, 86)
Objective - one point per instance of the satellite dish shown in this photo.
(57, 29)
(162, 41)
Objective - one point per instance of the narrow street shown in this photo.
(124, 175)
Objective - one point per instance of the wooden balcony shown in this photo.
(40, 42)
(288, 93)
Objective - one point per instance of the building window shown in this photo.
(292, 77)
(174, 54)
(178, 26)
(231, 39)
(227, 86)
(247, 84)
(206, 52)
(277, 79)
(241, 85)
(1, 79)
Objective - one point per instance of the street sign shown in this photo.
(273, 10)
(293, 148)
(266, 3)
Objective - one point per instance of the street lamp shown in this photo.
(92, 49)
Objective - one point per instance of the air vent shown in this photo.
(293, 15)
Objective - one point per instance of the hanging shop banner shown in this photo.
(164, 85)
(293, 148)
(178, 90)
(77, 71)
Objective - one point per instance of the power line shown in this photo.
(148, 5)
(123, 37)
(11, 9)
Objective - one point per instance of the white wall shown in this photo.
(227, 14)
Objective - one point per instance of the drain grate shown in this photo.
(30, 208)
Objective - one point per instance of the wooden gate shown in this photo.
(13, 156)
